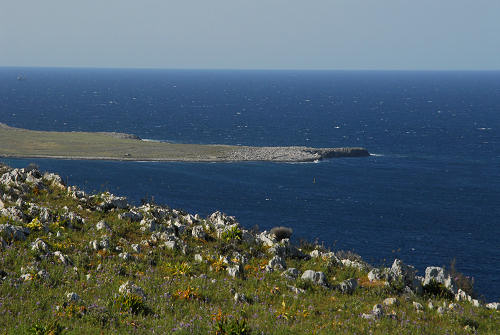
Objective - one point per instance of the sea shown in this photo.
(429, 194)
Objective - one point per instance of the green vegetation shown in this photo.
(188, 289)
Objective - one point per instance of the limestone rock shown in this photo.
(316, 277)
(348, 286)
(198, 232)
(441, 276)
(391, 302)
(494, 306)
(130, 288)
(291, 273)
(131, 215)
(276, 263)
(378, 311)
(40, 246)
(102, 225)
(13, 232)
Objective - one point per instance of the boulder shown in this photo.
(235, 271)
(198, 232)
(62, 258)
(378, 311)
(348, 286)
(131, 215)
(316, 277)
(130, 288)
(441, 276)
(291, 273)
(110, 201)
(494, 306)
(102, 225)
(276, 263)
(391, 302)
(40, 246)
(13, 232)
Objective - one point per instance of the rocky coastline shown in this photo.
(105, 234)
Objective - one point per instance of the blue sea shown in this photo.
(430, 192)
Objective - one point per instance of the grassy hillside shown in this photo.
(73, 263)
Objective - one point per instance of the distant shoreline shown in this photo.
(24, 143)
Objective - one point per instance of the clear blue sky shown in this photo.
(252, 34)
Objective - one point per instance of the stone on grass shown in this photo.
(316, 277)
(440, 310)
(291, 273)
(494, 306)
(378, 311)
(441, 276)
(130, 288)
(198, 258)
(391, 302)
(198, 232)
(136, 248)
(418, 306)
(276, 263)
(235, 271)
(40, 246)
(73, 297)
(102, 225)
(13, 232)
(348, 286)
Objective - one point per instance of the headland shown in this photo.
(24, 143)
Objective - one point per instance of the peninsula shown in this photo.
(17, 142)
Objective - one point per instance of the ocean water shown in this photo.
(429, 194)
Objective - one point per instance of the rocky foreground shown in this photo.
(79, 263)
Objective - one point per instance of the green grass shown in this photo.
(186, 297)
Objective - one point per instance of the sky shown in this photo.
(252, 34)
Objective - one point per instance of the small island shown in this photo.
(24, 143)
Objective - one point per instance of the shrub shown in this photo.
(132, 303)
(437, 289)
(463, 282)
(224, 325)
(53, 328)
(234, 233)
(281, 232)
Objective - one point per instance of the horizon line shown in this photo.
(245, 69)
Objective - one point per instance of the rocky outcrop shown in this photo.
(292, 154)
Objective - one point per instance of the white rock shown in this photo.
(125, 256)
(234, 271)
(198, 232)
(291, 273)
(494, 306)
(316, 277)
(315, 253)
(418, 306)
(102, 225)
(353, 264)
(441, 276)
(378, 311)
(276, 263)
(40, 246)
(130, 288)
(136, 248)
(198, 258)
(62, 258)
(441, 310)
(391, 302)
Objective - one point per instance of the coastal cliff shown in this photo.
(94, 263)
